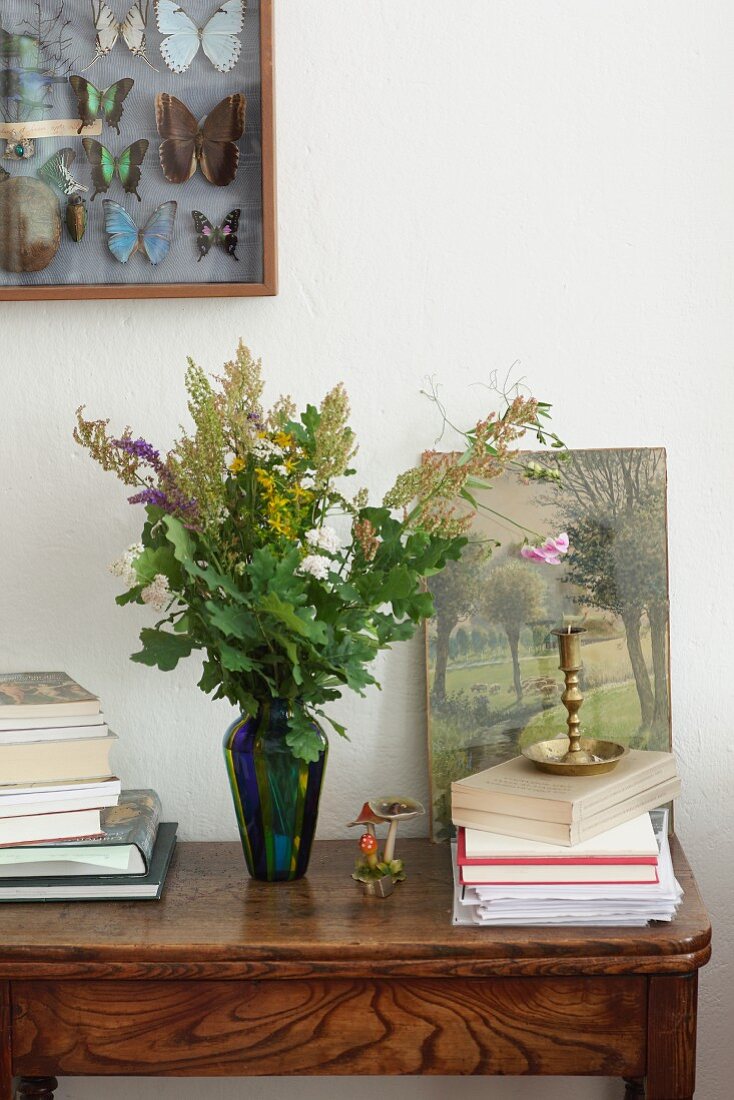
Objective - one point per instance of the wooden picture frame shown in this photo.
(199, 286)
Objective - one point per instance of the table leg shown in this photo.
(6, 1053)
(36, 1088)
(671, 1037)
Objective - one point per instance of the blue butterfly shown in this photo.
(125, 238)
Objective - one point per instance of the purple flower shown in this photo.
(142, 450)
(173, 501)
(550, 551)
(150, 496)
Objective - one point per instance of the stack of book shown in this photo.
(129, 860)
(538, 849)
(63, 822)
(55, 774)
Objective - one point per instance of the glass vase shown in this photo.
(276, 794)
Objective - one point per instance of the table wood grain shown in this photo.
(228, 976)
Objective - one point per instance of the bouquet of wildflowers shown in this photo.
(240, 552)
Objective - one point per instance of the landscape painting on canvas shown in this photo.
(492, 662)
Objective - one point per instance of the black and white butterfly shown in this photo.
(131, 30)
(208, 234)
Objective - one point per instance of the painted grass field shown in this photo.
(604, 662)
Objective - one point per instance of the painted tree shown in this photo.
(462, 641)
(512, 595)
(454, 592)
(613, 505)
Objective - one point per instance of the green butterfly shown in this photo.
(91, 101)
(105, 164)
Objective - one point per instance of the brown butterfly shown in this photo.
(211, 145)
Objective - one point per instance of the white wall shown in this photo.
(461, 185)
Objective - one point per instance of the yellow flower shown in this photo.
(281, 525)
(236, 465)
(283, 439)
(301, 494)
(265, 479)
(277, 503)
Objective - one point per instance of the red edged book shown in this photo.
(626, 854)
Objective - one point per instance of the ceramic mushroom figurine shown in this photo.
(367, 818)
(379, 873)
(394, 808)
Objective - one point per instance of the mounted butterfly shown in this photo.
(224, 234)
(105, 165)
(210, 145)
(217, 38)
(124, 238)
(157, 100)
(131, 30)
(92, 102)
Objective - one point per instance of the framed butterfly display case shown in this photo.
(136, 149)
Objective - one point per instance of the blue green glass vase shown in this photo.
(276, 795)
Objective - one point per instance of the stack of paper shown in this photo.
(605, 904)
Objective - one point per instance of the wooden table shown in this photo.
(229, 977)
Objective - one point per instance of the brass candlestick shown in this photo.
(581, 755)
(569, 648)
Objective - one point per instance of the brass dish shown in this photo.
(594, 758)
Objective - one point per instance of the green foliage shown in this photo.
(395, 870)
(238, 555)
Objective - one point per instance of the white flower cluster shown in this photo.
(124, 566)
(316, 566)
(323, 538)
(157, 593)
(265, 448)
(222, 515)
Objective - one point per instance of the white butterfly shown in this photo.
(218, 37)
(109, 30)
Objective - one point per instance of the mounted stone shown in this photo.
(30, 223)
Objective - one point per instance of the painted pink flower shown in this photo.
(549, 552)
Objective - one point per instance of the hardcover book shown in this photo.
(605, 859)
(126, 848)
(66, 825)
(569, 833)
(519, 789)
(73, 729)
(75, 794)
(43, 726)
(573, 875)
(43, 694)
(100, 887)
(632, 842)
(41, 761)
